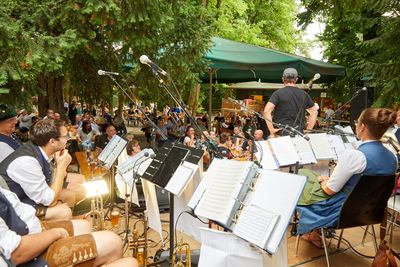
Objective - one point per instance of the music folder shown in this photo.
(111, 152)
(254, 204)
(171, 159)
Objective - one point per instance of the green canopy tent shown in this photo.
(232, 61)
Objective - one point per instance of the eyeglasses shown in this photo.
(64, 136)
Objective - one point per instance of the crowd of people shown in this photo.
(37, 192)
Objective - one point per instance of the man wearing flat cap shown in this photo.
(289, 105)
(8, 142)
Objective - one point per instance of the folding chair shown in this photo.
(364, 206)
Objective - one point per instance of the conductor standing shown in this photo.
(289, 105)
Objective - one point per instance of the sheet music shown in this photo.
(336, 143)
(182, 176)
(265, 157)
(255, 224)
(321, 147)
(304, 150)
(284, 151)
(128, 164)
(111, 152)
(218, 200)
(278, 192)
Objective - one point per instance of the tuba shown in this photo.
(180, 249)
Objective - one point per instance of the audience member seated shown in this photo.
(25, 239)
(29, 174)
(225, 145)
(8, 142)
(87, 135)
(190, 138)
(320, 204)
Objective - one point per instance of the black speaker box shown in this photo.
(363, 100)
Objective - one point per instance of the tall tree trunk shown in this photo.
(194, 99)
(53, 86)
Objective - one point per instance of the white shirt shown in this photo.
(9, 239)
(27, 172)
(349, 163)
(87, 137)
(5, 150)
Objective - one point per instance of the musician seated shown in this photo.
(133, 148)
(25, 239)
(29, 174)
(258, 136)
(320, 204)
(225, 145)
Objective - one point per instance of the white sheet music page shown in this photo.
(284, 151)
(304, 150)
(255, 224)
(182, 176)
(265, 157)
(278, 193)
(321, 146)
(112, 151)
(225, 179)
(337, 144)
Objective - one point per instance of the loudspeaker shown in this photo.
(362, 101)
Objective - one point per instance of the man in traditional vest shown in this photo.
(25, 240)
(29, 174)
(8, 142)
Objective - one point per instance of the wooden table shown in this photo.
(88, 170)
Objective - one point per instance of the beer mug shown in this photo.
(115, 217)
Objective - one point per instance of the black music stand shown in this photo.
(162, 168)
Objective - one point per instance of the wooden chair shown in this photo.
(364, 206)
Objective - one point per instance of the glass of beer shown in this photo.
(115, 217)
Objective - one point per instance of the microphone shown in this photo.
(316, 77)
(102, 72)
(145, 60)
(360, 90)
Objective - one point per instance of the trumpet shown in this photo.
(181, 248)
(97, 213)
(139, 244)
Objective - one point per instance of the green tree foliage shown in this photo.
(266, 23)
(54, 45)
(361, 35)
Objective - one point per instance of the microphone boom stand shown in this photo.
(153, 125)
(329, 118)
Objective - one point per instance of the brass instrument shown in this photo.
(139, 244)
(97, 213)
(181, 248)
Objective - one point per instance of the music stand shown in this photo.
(108, 157)
(162, 168)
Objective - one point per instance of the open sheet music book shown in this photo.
(259, 215)
(111, 152)
(321, 146)
(228, 183)
(285, 151)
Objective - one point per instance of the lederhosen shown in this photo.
(70, 251)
